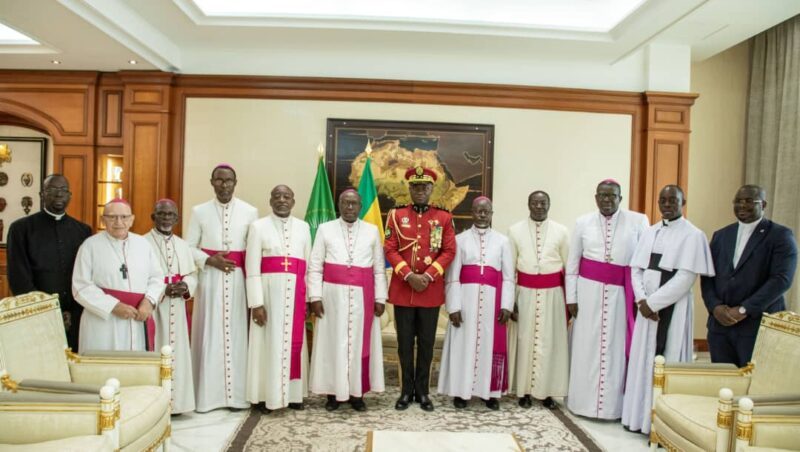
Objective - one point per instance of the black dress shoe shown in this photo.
(297, 406)
(549, 403)
(425, 402)
(525, 402)
(358, 403)
(262, 407)
(403, 402)
(235, 410)
(332, 404)
(459, 403)
(492, 404)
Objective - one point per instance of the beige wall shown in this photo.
(716, 149)
(274, 141)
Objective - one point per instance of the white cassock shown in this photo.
(538, 341)
(684, 255)
(172, 323)
(219, 316)
(339, 364)
(279, 288)
(470, 360)
(98, 266)
(598, 362)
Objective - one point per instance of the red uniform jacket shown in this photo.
(421, 241)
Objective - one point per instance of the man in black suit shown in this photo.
(755, 261)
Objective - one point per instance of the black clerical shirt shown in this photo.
(41, 254)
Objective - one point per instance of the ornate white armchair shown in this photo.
(696, 407)
(54, 399)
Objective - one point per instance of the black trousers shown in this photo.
(415, 324)
(731, 347)
(73, 332)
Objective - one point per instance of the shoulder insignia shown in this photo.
(387, 233)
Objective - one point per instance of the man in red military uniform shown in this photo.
(420, 244)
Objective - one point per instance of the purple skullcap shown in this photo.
(167, 201)
(479, 199)
(223, 166)
(119, 201)
(609, 181)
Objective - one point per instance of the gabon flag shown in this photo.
(370, 210)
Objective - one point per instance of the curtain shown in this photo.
(772, 153)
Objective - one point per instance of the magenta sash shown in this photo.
(360, 277)
(544, 281)
(297, 267)
(540, 281)
(133, 299)
(615, 275)
(236, 256)
(176, 279)
(471, 274)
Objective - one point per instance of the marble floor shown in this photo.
(211, 432)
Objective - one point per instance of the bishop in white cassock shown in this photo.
(347, 291)
(479, 296)
(669, 257)
(538, 341)
(117, 280)
(217, 235)
(171, 316)
(600, 297)
(278, 247)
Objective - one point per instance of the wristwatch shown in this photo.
(742, 310)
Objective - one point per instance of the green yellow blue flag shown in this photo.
(370, 210)
(320, 206)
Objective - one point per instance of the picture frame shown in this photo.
(462, 155)
(24, 169)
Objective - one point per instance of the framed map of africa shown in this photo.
(460, 154)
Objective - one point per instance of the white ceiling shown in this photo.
(516, 44)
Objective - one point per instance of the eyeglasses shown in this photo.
(750, 202)
(57, 191)
(606, 195)
(223, 182)
(115, 218)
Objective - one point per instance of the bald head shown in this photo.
(55, 193)
(165, 216)
(281, 199)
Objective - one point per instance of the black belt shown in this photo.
(664, 315)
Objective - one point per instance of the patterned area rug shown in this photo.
(315, 429)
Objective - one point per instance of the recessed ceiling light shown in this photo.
(56, 61)
(132, 62)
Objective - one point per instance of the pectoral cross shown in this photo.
(286, 264)
(124, 270)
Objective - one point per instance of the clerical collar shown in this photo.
(537, 223)
(480, 231)
(158, 233)
(751, 225)
(420, 208)
(283, 219)
(58, 217)
(108, 234)
(223, 205)
(613, 216)
(667, 223)
(349, 225)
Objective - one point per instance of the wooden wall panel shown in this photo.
(666, 144)
(144, 154)
(76, 163)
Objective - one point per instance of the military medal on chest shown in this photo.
(436, 235)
